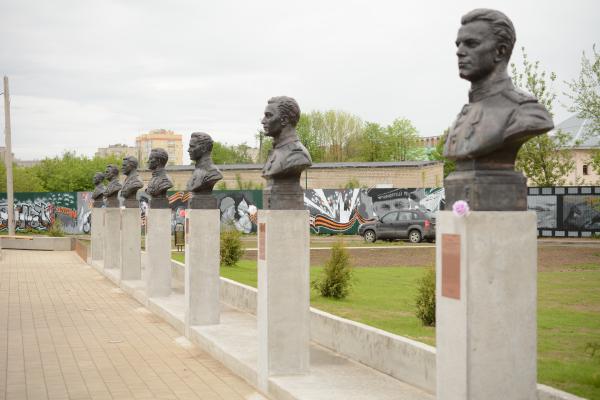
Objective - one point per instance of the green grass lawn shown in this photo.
(568, 316)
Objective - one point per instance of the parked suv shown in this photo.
(414, 225)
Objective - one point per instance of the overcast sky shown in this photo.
(86, 74)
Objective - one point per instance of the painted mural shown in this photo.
(561, 211)
(335, 211)
(37, 211)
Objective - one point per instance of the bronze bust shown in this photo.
(488, 132)
(98, 194)
(132, 182)
(288, 158)
(111, 194)
(160, 181)
(205, 175)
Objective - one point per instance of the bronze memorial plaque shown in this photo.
(451, 266)
(262, 230)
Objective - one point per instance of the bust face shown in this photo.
(111, 173)
(127, 167)
(153, 161)
(98, 179)
(476, 51)
(196, 150)
(271, 122)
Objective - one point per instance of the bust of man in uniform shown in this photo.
(132, 182)
(98, 194)
(288, 158)
(499, 118)
(160, 181)
(206, 174)
(112, 189)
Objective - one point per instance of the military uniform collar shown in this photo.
(158, 172)
(286, 138)
(489, 90)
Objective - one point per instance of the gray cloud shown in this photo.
(86, 74)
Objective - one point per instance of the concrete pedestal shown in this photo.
(131, 238)
(202, 264)
(158, 247)
(283, 301)
(486, 268)
(112, 238)
(97, 233)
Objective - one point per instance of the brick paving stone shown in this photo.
(66, 332)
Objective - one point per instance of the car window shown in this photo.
(391, 217)
(404, 216)
(415, 216)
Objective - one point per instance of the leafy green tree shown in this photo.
(585, 91)
(71, 173)
(24, 179)
(545, 160)
(372, 143)
(402, 139)
(438, 155)
(231, 154)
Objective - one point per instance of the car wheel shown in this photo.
(414, 236)
(370, 236)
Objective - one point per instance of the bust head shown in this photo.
(484, 43)
(158, 158)
(129, 165)
(281, 112)
(200, 144)
(98, 178)
(111, 172)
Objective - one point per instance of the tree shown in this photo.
(230, 154)
(438, 155)
(585, 92)
(402, 139)
(545, 160)
(372, 143)
(24, 179)
(71, 173)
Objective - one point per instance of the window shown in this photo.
(405, 216)
(391, 217)
(585, 169)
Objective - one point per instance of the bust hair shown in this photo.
(131, 160)
(287, 107)
(161, 155)
(203, 139)
(502, 26)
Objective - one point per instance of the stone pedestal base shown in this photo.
(486, 306)
(131, 238)
(202, 267)
(158, 247)
(97, 233)
(283, 301)
(487, 190)
(112, 238)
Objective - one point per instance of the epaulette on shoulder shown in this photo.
(518, 96)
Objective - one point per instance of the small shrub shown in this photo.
(336, 281)
(353, 183)
(56, 230)
(231, 247)
(426, 298)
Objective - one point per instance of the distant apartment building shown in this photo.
(168, 140)
(119, 150)
(428, 141)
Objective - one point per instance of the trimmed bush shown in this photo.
(56, 230)
(336, 281)
(426, 298)
(231, 247)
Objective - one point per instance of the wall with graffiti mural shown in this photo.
(561, 211)
(342, 211)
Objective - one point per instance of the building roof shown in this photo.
(378, 164)
(578, 128)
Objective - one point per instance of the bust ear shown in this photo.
(501, 53)
(284, 120)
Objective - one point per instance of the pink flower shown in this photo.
(460, 208)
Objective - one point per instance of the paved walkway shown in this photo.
(68, 333)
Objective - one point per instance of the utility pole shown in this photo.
(10, 209)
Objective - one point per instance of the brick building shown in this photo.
(401, 174)
(165, 139)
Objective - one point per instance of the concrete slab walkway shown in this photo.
(68, 333)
